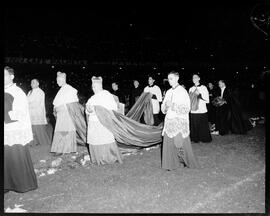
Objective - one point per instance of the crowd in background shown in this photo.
(247, 91)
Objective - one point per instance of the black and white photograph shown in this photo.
(157, 108)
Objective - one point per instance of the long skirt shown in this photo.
(105, 154)
(199, 128)
(223, 120)
(102, 146)
(42, 135)
(64, 139)
(19, 174)
(177, 151)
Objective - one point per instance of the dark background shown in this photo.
(216, 40)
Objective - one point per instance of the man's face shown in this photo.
(151, 81)
(34, 84)
(114, 86)
(136, 83)
(8, 78)
(172, 79)
(210, 85)
(195, 78)
(220, 84)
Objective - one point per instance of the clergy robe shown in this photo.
(64, 139)
(176, 143)
(19, 173)
(36, 101)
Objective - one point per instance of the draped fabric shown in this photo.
(194, 101)
(127, 131)
(78, 117)
(142, 106)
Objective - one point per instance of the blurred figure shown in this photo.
(19, 174)
(136, 92)
(156, 98)
(176, 147)
(199, 127)
(36, 101)
(118, 93)
(102, 145)
(213, 93)
(119, 98)
(230, 117)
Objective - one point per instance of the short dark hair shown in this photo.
(9, 70)
(174, 73)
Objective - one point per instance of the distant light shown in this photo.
(264, 67)
(236, 72)
(154, 68)
(130, 24)
(52, 66)
(83, 67)
(158, 73)
(246, 68)
(183, 68)
(120, 68)
(195, 48)
(213, 68)
(211, 55)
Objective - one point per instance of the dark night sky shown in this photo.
(197, 21)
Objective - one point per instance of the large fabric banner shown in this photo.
(142, 106)
(128, 131)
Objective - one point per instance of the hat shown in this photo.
(96, 79)
(60, 74)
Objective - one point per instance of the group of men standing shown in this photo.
(75, 124)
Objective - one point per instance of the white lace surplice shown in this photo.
(177, 116)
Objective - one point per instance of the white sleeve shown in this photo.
(158, 94)
(205, 94)
(145, 89)
(164, 102)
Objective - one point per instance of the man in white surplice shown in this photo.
(36, 101)
(156, 98)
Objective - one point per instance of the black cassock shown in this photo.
(230, 116)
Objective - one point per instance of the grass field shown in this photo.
(231, 180)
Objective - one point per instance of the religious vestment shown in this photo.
(36, 101)
(102, 145)
(199, 126)
(176, 142)
(19, 175)
(64, 139)
(156, 99)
